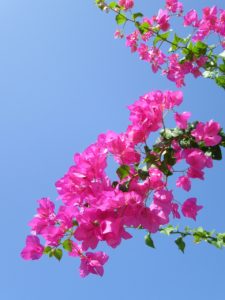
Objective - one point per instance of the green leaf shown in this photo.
(143, 174)
(185, 143)
(168, 229)
(222, 68)
(176, 41)
(113, 5)
(51, 253)
(197, 238)
(164, 168)
(200, 234)
(150, 159)
(58, 254)
(180, 243)
(218, 243)
(67, 245)
(220, 80)
(199, 49)
(144, 27)
(124, 187)
(120, 19)
(123, 171)
(148, 241)
(137, 15)
(47, 250)
(215, 152)
(169, 158)
(161, 37)
(222, 134)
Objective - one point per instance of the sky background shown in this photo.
(63, 80)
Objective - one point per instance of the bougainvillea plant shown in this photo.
(98, 209)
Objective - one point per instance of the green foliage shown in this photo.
(58, 254)
(143, 174)
(220, 81)
(215, 152)
(123, 171)
(169, 158)
(148, 241)
(124, 187)
(143, 28)
(120, 19)
(67, 245)
(47, 250)
(198, 234)
(175, 45)
(113, 5)
(161, 37)
(199, 49)
(137, 15)
(180, 244)
(168, 229)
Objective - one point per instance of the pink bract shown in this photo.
(190, 208)
(33, 249)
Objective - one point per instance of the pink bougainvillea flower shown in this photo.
(53, 235)
(132, 41)
(182, 119)
(156, 58)
(174, 6)
(190, 208)
(220, 25)
(162, 202)
(118, 34)
(33, 249)
(45, 216)
(184, 182)
(112, 231)
(197, 159)
(143, 51)
(66, 215)
(175, 211)
(127, 4)
(162, 19)
(191, 18)
(121, 148)
(175, 71)
(93, 263)
(208, 133)
(155, 178)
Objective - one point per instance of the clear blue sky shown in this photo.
(64, 80)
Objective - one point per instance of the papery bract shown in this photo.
(127, 4)
(33, 249)
(182, 119)
(93, 263)
(190, 208)
(208, 133)
(184, 182)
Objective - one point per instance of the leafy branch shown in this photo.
(198, 235)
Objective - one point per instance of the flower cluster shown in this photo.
(189, 55)
(212, 21)
(96, 209)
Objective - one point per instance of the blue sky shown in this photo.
(64, 80)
